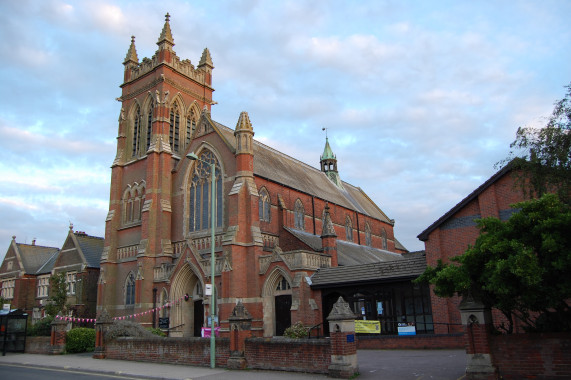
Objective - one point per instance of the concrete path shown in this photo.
(373, 364)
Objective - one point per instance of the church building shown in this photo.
(277, 220)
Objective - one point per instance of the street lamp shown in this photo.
(194, 157)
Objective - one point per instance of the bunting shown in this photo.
(186, 297)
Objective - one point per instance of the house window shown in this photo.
(130, 290)
(174, 132)
(384, 238)
(348, 229)
(299, 215)
(70, 278)
(43, 286)
(9, 265)
(200, 193)
(8, 289)
(150, 124)
(136, 132)
(368, 239)
(264, 205)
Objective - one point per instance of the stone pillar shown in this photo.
(57, 341)
(477, 322)
(240, 329)
(101, 326)
(343, 345)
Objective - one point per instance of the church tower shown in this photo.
(329, 164)
(162, 100)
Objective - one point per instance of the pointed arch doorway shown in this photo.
(186, 316)
(277, 300)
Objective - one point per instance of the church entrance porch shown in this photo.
(186, 316)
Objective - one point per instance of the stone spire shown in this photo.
(206, 61)
(165, 39)
(244, 134)
(131, 57)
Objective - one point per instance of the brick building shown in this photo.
(27, 268)
(277, 220)
(453, 232)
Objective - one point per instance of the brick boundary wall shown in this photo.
(532, 356)
(294, 355)
(38, 345)
(186, 351)
(391, 342)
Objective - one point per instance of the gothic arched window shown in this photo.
(200, 193)
(264, 205)
(384, 238)
(133, 200)
(174, 132)
(190, 127)
(282, 284)
(150, 123)
(348, 229)
(130, 290)
(299, 215)
(368, 239)
(136, 132)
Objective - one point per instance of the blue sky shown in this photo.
(420, 98)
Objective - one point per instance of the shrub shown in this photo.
(43, 327)
(127, 328)
(80, 339)
(156, 331)
(296, 331)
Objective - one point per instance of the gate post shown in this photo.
(343, 345)
(240, 329)
(477, 321)
(101, 326)
(58, 335)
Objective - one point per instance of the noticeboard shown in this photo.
(367, 327)
(163, 323)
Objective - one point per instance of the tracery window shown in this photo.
(368, 239)
(283, 284)
(174, 132)
(190, 127)
(133, 201)
(136, 132)
(348, 229)
(299, 215)
(150, 123)
(384, 238)
(264, 205)
(200, 193)
(130, 290)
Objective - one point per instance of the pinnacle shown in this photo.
(244, 122)
(206, 59)
(131, 53)
(166, 35)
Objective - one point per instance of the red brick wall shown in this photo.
(303, 355)
(532, 356)
(38, 345)
(448, 341)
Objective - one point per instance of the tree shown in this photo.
(542, 157)
(58, 295)
(520, 266)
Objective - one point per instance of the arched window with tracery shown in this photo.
(384, 238)
(200, 193)
(130, 290)
(264, 205)
(368, 239)
(150, 123)
(190, 127)
(299, 215)
(174, 132)
(136, 131)
(133, 200)
(348, 229)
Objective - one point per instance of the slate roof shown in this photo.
(281, 168)
(348, 253)
(91, 247)
(34, 257)
(423, 236)
(390, 271)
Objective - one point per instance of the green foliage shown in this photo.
(80, 339)
(58, 295)
(520, 266)
(156, 331)
(43, 327)
(296, 331)
(543, 156)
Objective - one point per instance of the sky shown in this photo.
(420, 98)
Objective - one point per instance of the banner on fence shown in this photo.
(367, 327)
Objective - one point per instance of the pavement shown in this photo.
(373, 364)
